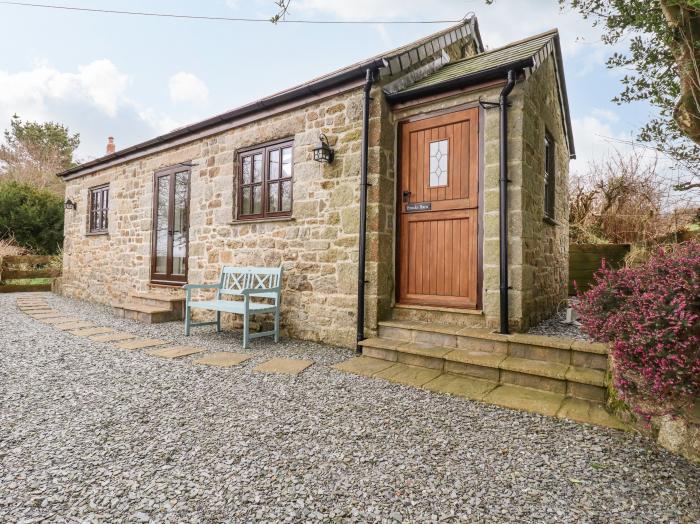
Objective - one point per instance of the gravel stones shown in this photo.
(92, 433)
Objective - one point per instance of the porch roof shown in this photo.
(524, 55)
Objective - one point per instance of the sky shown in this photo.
(137, 77)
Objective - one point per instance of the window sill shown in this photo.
(262, 220)
(97, 234)
(550, 221)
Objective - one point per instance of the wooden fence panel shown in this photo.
(25, 267)
(586, 259)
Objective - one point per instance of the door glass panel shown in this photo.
(438, 163)
(180, 223)
(274, 164)
(162, 224)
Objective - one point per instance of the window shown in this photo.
(99, 209)
(265, 182)
(548, 176)
(438, 163)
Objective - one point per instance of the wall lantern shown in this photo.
(69, 204)
(323, 153)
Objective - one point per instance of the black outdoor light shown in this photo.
(323, 153)
(69, 204)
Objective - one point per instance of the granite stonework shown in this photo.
(318, 245)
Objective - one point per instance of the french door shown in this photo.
(439, 211)
(171, 197)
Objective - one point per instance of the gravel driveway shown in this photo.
(90, 433)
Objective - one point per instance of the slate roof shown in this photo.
(518, 52)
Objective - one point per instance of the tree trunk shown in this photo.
(684, 22)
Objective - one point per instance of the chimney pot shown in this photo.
(111, 148)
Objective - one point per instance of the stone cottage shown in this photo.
(406, 212)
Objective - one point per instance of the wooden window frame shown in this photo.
(549, 177)
(98, 218)
(266, 182)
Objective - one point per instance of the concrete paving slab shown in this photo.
(174, 351)
(60, 320)
(140, 343)
(92, 331)
(223, 359)
(284, 366)
(365, 366)
(74, 325)
(47, 314)
(409, 375)
(461, 386)
(112, 337)
(526, 399)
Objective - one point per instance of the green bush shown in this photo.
(32, 216)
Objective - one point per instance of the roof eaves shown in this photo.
(459, 82)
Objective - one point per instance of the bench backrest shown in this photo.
(235, 279)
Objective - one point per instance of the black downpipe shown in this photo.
(503, 200)
(369, 79)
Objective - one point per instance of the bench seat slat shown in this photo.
(230, 306)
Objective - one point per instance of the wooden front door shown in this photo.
(439, 211)
(171, 197)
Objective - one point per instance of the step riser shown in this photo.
(533, 352)
(501, 376)
(441, 317)
(146, 318)
(166, 304)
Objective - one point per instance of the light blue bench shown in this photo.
(245, 282)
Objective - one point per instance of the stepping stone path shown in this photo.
(116, 336)
(174, 351)
(141, 343)
(284, 366)
(40, 310)
(223, 359)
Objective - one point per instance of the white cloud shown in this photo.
(99, 83)
(187, 88)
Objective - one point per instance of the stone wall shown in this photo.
(545, 244)
(317, 246)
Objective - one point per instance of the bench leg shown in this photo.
(245, 332)
(187, 321)
(277, 325)
(218, 321)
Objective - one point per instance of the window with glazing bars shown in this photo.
(99, 209)
(265, 182)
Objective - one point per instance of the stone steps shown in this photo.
(145, 313)
(151, 307)
(552, 349)
(501, 368)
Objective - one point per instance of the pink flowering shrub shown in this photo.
(651, 316)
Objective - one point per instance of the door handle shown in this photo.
(406, 195)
